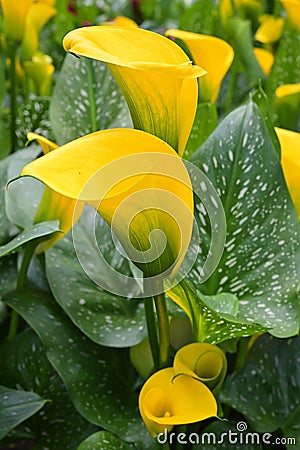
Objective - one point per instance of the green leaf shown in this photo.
(205, 122)
(99, 379)
(214, 318)
(37, 231)
(8, 274)
(198, 17)
(259, 260)
(94, 101)
(58, 425)
(15, 407)
(226, 435)
(286, 67)
(103, 440)
(104, 317)
(267, 389)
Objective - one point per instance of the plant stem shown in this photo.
(12, 49)
(242, 353)
(163, 328)
(151, 327)
(28, 253)
(90, 78)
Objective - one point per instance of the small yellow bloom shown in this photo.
(138, 184)
(53, 205)
(292, 8)
(166, 401)
(154, 74)
(205, 362)
(286, 90)
(265, 59)
(211, 53)
(40, 70)
(270, 29)
(15, 13)
(290, 162)
(121, 21)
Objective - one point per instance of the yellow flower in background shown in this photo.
(286, 90)
(287, 103)
(53, 205)
(205, 362)
(121, 21)
(211, 53)
(15, 14)
(165, 401)
(155, 75)
(270, 29)
(40, 70)
(292, 8)
(138, 184)
(265, 59)
(37, 17)
(290, 162)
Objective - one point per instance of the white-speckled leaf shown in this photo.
(259, 261)
(103, 440)
(38, 231)
(86, 99)
(267, 389)
(104, 317)
(58, 425)
(99, 379)
(214, 318)
(15, 407)
(8, 274)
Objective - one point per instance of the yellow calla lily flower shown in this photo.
(166, 401)
(205, 362)
(53, 205)
(270, 29)
(211, 53)
(265, 59)
(292, 8)
(40, 71)
(121, 21)
(138, 184)
(290, 162)
(15, 14)
(155, 75)
(286, 90)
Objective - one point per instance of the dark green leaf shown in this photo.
(259, 260)
(198, 17)
(104, 317)
(99, 379)
(58, 425)
(205, 122)
(103, 440)
(37, 231)
(8, 274)
(15, 407)
(267, 389)
(94, 101)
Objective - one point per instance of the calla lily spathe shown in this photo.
(40, 70)
(166, 401)
(138, 184)
(270, 29)
(15, 13)
(155, 75)
(213, 54)
(290, 162)
(265, 59)
(53, 205)
(292, 8)
(205, 362)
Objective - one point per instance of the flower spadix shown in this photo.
(53, 205)
(290, 162)
(213, 54)
(166, 401)
(139, 185)
(155, 75)
(205, 362)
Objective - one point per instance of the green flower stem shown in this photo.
(28, 254)
(90, 78)
(12, 50)
(151, 327)
(163, 328)
(242, 354)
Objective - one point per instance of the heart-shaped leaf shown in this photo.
(94, 101)
(104, 317)
(15, 407)
(99, 379)
(259, 260)
(103, 440)
(267, 389)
